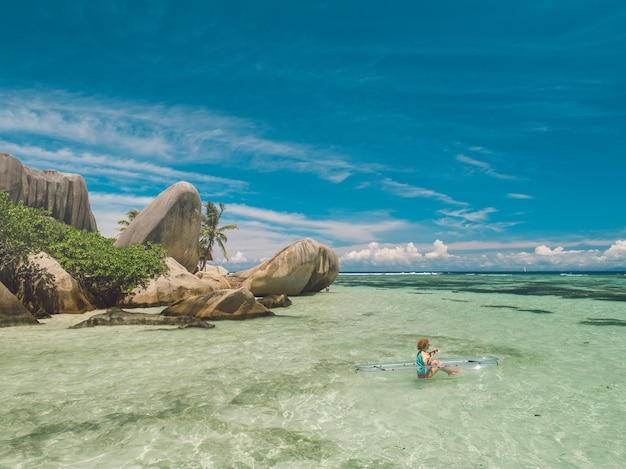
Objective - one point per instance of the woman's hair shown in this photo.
(422, 343)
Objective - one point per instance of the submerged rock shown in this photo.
(119, 317)
(275, 301)
(221, 304)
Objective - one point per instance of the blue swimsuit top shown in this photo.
(419, 363)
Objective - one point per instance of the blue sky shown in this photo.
(406, 135)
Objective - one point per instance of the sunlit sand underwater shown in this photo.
(282, 391)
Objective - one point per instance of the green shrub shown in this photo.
(106, 271)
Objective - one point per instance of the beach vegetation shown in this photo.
(106, 271)
(130, 216)
(211, 233)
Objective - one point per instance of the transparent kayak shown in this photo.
(471, 362)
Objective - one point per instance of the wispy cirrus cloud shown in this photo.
(132, 148)
(109, 209)
(464, 220)
(469, 215)
(361, 227)
(176, 134)
(407, 191)
(119, 171)
(512, 195)
(84, 121)
(484, 167)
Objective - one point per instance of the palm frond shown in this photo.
(211, 233)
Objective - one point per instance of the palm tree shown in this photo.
(211, 233)
(124, 222)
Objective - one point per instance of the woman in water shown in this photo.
(426, 365)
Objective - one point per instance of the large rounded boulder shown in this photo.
(222, 304)
(177, 284)
(53, 290)
(171, 220)
(302, 267)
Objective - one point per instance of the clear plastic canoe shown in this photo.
(470, 362)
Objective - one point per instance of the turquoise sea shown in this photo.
(282, 391)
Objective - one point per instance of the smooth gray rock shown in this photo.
(172, 220)
(64, 194)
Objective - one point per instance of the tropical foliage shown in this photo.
(130, 216)
(108, 272)
(211, 233)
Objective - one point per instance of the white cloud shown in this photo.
(617, 250)
(543, 257)
(403, 255)
(558, 251)
(440, 251)
(546, 251)
(238, 258)
(481, 256)
(378, 255)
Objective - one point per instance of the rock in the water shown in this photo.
(12, 311)
(221, 304)
(171, 220)
(119, 317)
(275, 301)
(176, 285)
(64, 194)
(303, 266)
(325, 271)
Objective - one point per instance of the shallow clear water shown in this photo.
(282, 391)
